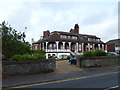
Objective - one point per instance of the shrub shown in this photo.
(28, 57)
(82, 57)
(100, 53)
(15, 57)
(41, 56)
(72, 56)
(68, 57)
(38, 51)
(25, 57)
(34, 58)
(88, 54)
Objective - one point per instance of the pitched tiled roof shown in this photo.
(54, 38)
(114, 41)
(74, 34)
(37, 42)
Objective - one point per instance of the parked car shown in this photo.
(113, 53)
(73, 60)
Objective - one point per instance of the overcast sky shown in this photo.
(94, 18)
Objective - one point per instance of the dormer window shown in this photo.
(68, 37)
(97, 39)
(73, 37)
(90, 39)
(63, 36)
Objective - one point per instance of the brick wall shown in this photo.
(111, 48)
(46, 34)
(76, 29)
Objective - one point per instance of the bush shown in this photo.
(68, 57)
(100, 53)
(15, 57)
(41, 56)
(38, 51)
(88, 54)
(28, 57)
(72, 56)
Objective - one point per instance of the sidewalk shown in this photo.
(63, 71)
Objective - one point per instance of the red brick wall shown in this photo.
(55, 35)
(72, 30)
(76, 29)
(46, 33)
(111, 48)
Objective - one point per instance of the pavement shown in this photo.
(64, 70)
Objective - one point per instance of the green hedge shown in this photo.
(28, 57)
(88, 54)
(100, 53)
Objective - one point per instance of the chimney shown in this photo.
(76, 28)
(46, 34)
(71, 30)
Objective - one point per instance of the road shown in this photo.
(104, 80)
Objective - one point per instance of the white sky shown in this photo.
(95, 17)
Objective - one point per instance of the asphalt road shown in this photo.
(105, 80)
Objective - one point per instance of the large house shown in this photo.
(61, 44)
(113, 45)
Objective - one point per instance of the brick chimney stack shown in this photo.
(46, 34)
(76, 29)
(72, 30)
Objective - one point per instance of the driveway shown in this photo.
(64, 67)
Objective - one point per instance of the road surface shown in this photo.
(104, 80)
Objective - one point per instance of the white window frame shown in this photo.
(74, 37)
(63, 36)
(97, 39)
(90, 39)
(50, 46)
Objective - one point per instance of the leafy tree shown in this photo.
(12, 41)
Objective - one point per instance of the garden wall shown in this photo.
(28, 67)
(99, 61)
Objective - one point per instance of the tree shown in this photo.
(13, 42)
